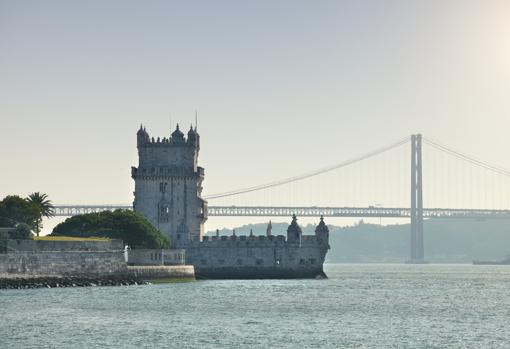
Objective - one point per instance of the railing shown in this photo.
(267, 211)
(73, 210)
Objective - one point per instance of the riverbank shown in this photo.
(23, 282)
(134, 275)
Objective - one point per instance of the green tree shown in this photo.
(45, 206)
(132, 227)
(15, 210)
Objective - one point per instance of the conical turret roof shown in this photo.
(322, 227)
(294, 226)
(177, 135)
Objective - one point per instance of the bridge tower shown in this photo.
(417, 248)
(168, 185)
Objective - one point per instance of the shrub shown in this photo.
(132, 227)
(22, 231)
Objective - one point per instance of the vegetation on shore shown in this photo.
(132, 227)
(24, 215)
(45, 209)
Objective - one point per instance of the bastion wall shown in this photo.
(63, 258)
(63, 263)
(43, 262)
(256, 257)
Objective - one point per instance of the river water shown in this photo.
(359, 306)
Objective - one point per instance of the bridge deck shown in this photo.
(266, 211)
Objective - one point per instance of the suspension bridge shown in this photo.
(456, 186)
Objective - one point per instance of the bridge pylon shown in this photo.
(417, 247)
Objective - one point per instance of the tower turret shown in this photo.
(294, 231)
(177, 136)
(322, 233)
(269, 229)
(192, 137)
(141, 136)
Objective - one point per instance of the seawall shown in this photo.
(29, 263)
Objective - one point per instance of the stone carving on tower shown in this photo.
(168, 185)
(269, 229)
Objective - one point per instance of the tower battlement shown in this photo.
(176, 139)
(173, 156)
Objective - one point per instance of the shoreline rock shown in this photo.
(64, 282)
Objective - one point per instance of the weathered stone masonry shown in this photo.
(270, 256)
(168, 185)
(42, 263)
(63, 258)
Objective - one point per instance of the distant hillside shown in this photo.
(449, 241)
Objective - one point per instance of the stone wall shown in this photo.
(89, 263)
(257, 257)
(157, 257)
(161, 272)
(167, 202)
(62, 258)
(41, 263)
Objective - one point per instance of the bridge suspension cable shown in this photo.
(467, 158)
(309, 174)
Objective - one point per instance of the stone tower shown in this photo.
(168, 185)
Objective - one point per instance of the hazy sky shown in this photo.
(281, 87)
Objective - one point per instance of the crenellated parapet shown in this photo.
(295, 238)
(252, 241)
(176, 139)
(175, 156)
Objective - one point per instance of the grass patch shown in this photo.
(69, 238)
(171, 280)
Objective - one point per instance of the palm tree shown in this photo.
(46, 208)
